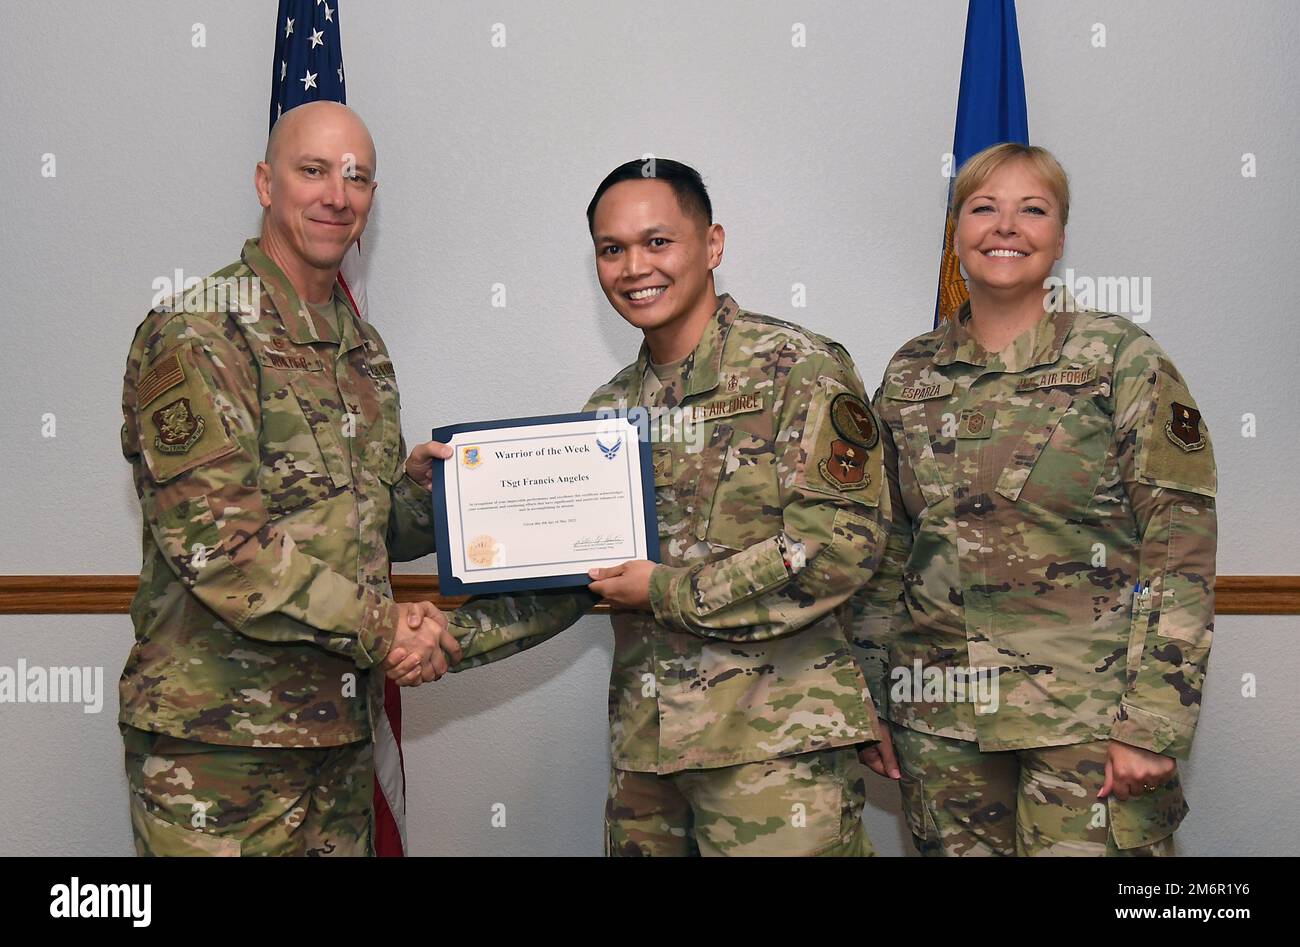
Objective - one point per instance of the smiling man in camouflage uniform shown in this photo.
(262, 426)
(735, 702)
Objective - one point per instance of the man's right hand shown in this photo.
(423, 648)
(879, 757)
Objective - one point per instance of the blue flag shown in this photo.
(990, 110)
(308, 63)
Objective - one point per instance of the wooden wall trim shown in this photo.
(111, 594)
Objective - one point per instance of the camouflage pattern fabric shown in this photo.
(1033, 491)
(267, 451)
(765, 533)
(809, 804)
(959, 800)
(203, 799)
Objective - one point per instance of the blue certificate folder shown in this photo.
(450, 585)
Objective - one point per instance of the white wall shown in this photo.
(824, 166)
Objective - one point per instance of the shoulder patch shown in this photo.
(854, 421)
(1175, 451)
(184, 430)
(843, 455)
(163, 375)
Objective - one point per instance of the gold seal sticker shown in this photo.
(484, 551)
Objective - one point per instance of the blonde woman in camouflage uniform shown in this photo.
(1040, 632)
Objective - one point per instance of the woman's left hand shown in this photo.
(1131, 770)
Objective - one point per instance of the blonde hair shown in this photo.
(980, 167)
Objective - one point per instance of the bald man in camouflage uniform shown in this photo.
(1054, 528)
(735, 702)
(265, 439)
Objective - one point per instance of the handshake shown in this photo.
(423, 648)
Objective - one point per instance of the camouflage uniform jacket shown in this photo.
(1033, 490)
(268, 458)
(765, 532)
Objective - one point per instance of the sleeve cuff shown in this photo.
(664, 583)
(417, 500)
(1152, 731)
(378, 626)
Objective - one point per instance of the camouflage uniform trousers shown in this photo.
(959, 800)
(254, 800)
(808, 804)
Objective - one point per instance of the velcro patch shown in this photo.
(663, 466)
(974, 424)
(842, 440)
(1183, 427)
(185, 431)
(289, 361)
(1073, 376)
(1175, 449)
(381, 369)
(179, 427)
(723, 408)
(846, 467)
(853, 421)
(920, 391)
(164, 375)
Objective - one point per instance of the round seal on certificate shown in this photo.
(485, 551)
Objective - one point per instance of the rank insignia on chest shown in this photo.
(853, 421)
(1184, 427)
(974, 423)
(733, 384)
(663, 466)
(179, 428)
(846, 467)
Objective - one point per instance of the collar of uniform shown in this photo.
(1042, 346)
(302, 326)
(704, 365)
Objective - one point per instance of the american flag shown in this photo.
(308, 66)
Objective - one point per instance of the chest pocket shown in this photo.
(1064, 446)
(738, 497)
(304, 458)
(684, 497)
(923, 451)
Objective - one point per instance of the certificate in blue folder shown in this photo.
(533, 503)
